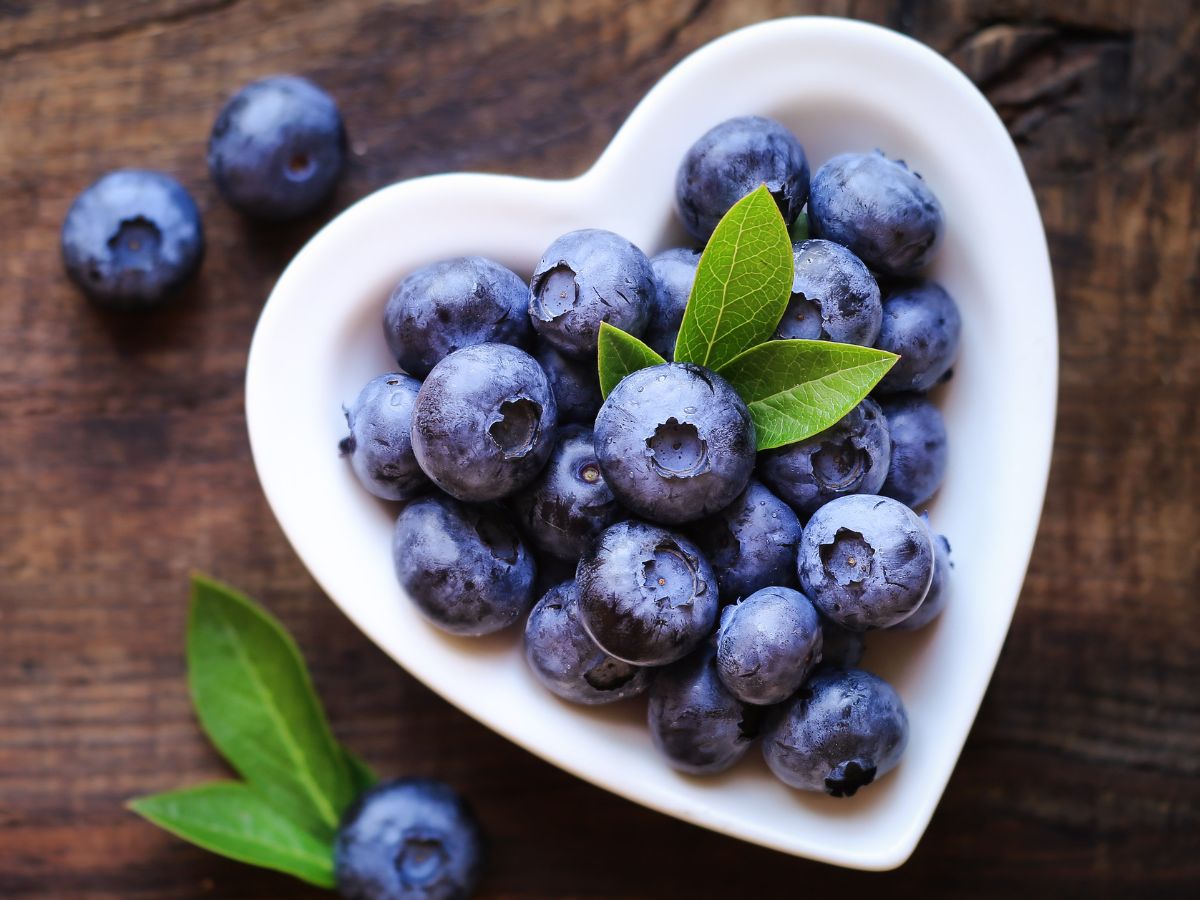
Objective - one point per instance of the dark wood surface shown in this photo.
(124, 463)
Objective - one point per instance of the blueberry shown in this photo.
(585, 278)
(453, 304)
(569, 503)
(923, 325)
(409, 839)
(850, 457)
(834, 297)
(675, 442)
(646, 595)
(576, 384)
(767, 645)
(465, 567)
(879, 208)
(277, 148)
(865, 561)
(731, 160)
(840, 732)
(695, 722)
(674, 275)
(751, 543)
(380, 442)
(841, 648)
(132, 239)
(935, 600)
(568, 662)
(918, 459)
(484, 422)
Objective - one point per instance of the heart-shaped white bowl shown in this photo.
(839, 85)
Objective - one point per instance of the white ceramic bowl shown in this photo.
(840, 85)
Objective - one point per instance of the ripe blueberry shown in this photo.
(675, 442)
(850, 457)
(923, 325)
(568, 662)
(878, 208)
(674, 275)
(841, 731)
(695, 722)
(865, 561)
(452, 304)
(767, 645)
(751, 543)
(834, 297)
(646, 595)
(484, 422)
(277, 148)
(380, 441)
(733, 159)
(587, 277)
(465, 567)
(569, 503)
(132, 239)
(409, 839)
(918, 458)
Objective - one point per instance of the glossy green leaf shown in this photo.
(233, 820)
(800, 230)
(742, 285)
(361, 775)
(254, 698)
(797, 388)
(621, 354)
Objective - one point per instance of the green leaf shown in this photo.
(800, 229)
(796, 389)
(254, 698)
(361, 775)
(621, 354)
(742, 285)
(233, 820)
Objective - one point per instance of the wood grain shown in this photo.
(125, 465)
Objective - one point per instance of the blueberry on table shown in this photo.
(918, 458)
(767, 645)
(841, 648)
(751, 543)
(939, 591)
(695, 722)
(569, 503)
(465, 567)
(878, 208)
(576, 384)
(452, 304)
(277, 148)
(675, 442)
(409, 839)
(731, 160)
(923, 325)
(568, 662)
(850, 457)
(132, 239)
(646, 595)
(674, 275)
(834, 297)
(484, 422)
(841, 731)
(865, 561)
(587, 277)
(379, 445)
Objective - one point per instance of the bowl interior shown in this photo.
(840, 86)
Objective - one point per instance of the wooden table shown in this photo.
(124, 463)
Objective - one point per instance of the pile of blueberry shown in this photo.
(671, 558)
